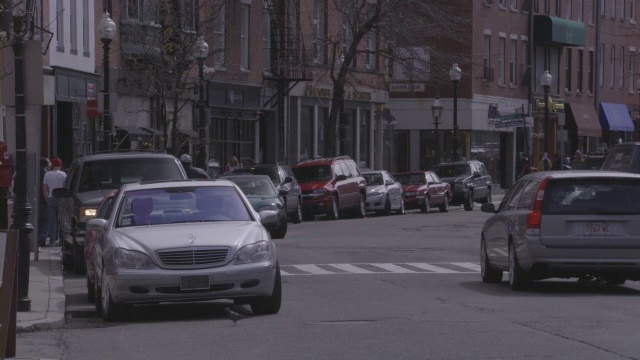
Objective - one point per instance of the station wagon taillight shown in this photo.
(534, 219)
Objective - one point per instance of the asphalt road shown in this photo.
(397, 287)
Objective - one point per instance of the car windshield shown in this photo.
(110, 174)
(605, 196)
(252, 186)
(447, 171)
(272, 172)
(181, 205)
(313, 173)
(411, 179)
(373, 178)
(619, 158)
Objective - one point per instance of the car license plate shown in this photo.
(597, 229)
(194, 282)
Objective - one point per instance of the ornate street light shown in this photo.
(436, 111)
(106, 31)
(201, 52)
(455, 74)
(546, 80)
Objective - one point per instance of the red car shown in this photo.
(103, 212)
(424, 190)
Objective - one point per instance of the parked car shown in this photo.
(424, 190)
(283, 179)
(623, 157)
(331, 186)
(184, 241)
(384, 193)
(590, 162)
(263, 196)
(89, 179)
(103, 212)
(469, 181)
(564, 224)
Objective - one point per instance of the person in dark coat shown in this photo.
(192, 171)
(43, 225)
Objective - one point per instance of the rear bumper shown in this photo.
(413, 202)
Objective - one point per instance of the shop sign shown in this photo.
(313, 91)
(555, 105)
(406, 87)
(327, 93)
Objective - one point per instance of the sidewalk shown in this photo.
(46, 291)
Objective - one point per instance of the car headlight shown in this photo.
(374, 193)
(253, 253)
(269, 207)
(411, 193)
(88, 212)
(319, 192)
(129, 259)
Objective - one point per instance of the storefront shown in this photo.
(616, 123)
(583, 128)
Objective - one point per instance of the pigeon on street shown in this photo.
(233, 316)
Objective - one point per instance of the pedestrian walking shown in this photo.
(546, 162)
(232, 165)
(578, 158)
(43, 230)
(525, 166)
(192, 171)
(53, 179)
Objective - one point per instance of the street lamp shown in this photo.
(436, 111)
(201, 52)
(546, 83)
(106, 31)
(455, 74)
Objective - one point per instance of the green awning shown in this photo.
(558, 31)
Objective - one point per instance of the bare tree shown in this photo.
(415, 35)
(164, 65)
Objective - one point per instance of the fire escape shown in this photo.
(287, 53)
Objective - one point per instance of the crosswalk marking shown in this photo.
(470, 266)
(384, 268)
(432, 268)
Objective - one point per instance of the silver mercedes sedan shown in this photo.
(184, 241)
(564, 224)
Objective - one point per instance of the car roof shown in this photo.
(129, 154)
(458, 163)
(175, 184)
(322, 161)
(373, 172)
(244, 176)
(411, 172)
(571, 174)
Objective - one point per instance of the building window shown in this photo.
(514, 5)
(372, 45)
(623, 10)
(348, 123)
(188, 12)
(580, 11)
(133, 9)
(73, 26)
(487, 57)
(365, 130)
(568, 69)
(632, 64)
(143, 10)
(219, 34)
(323, 114)
(60, 13)
(523, 62)
(319, 31)
(266, 38)
(86, 49)
(512, 63)
(613, 9)
(621, 77)
(601, 66)
(567, 13)
(503, 3)
(632, 11)
(590, 73)
(306, 133)
(592, 13)
(244, 37)
(612, 65)
(347, 38)
(602, 7)
(579, 87)
(501, 45)
(558, 8)
(38, 18)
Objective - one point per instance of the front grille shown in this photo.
(201, 257)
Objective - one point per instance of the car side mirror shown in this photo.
(96, 225)
(476, 175)
(287, 180)
(488, 208)
(61, 193)
(283, 192)
(341, 177)
(268, 217)
(389, 182)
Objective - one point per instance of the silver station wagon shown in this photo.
(564, 224)
(184, 241)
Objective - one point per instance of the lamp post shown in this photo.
(638, 118)
(201, 53)
(455, 74)
(546, 83)
(106, 31)
(436, 111)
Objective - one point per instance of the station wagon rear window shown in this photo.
(600, 196)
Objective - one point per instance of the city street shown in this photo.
(396, 287)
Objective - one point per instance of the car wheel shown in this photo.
(280, 232)
(334, 214)
(487, 198)
(426, 206)
(361, 211)
(91, 291)
(269, 304)
(79, 266)
(67, 259)
(518, 278)
(387, 206)
(110, 311)
(401, 210)
(468, 205)
(444, 207)
(614, 280)
(297, 217)
(489, 274)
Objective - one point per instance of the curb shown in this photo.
(54, 317)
